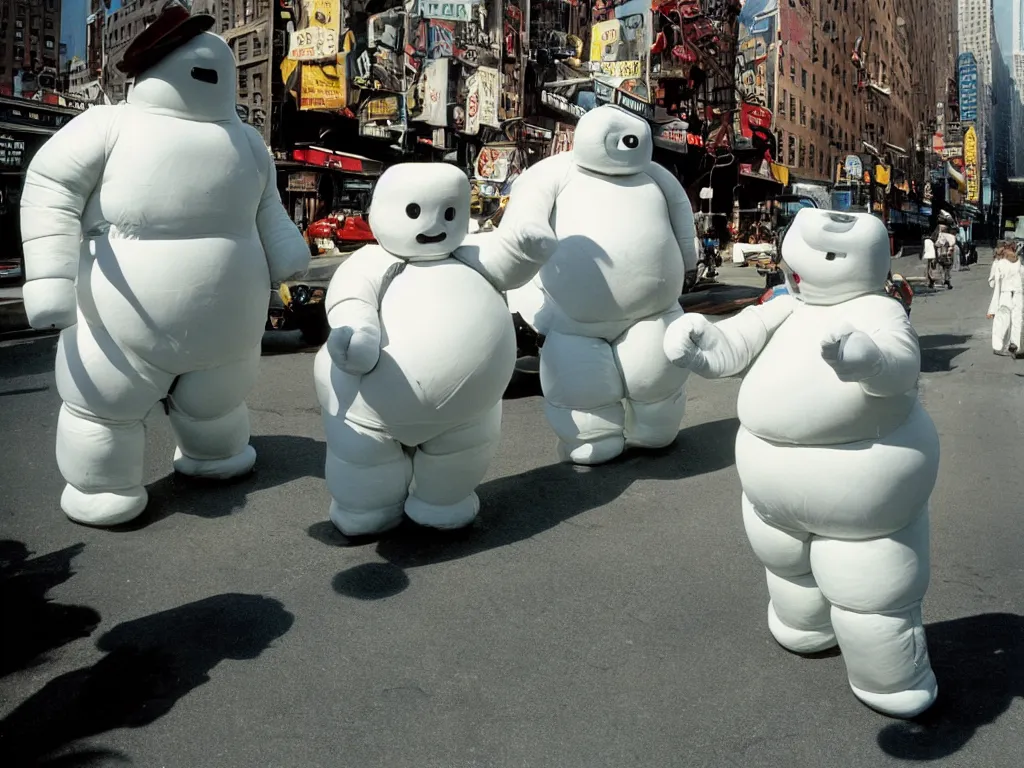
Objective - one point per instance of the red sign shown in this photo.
(753, 116)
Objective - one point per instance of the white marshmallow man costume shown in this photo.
(604, 299)
(421, 350)
(152, 231)
(836, 456)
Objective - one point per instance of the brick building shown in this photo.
(29, 46)
(860, 76)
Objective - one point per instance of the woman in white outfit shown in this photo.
(1006, 310)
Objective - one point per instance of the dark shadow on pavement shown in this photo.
(371, 581)
(938, 351)
(280, 459)
(151, 663)
(522, 506)
(28, 357)
(979, 663)
(24, 391)
(276, 343)
(33, 624)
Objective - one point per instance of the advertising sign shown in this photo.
(853, 167)
(672, 135)
(967, 70)
(313, 44)
(461, 10)
(323, 87)
(754, 116)
(12, 152)
(971, 164)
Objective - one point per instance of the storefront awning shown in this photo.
(36, 129)
(319, 157)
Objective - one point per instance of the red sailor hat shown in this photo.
(174, 27)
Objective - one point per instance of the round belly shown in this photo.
(448, 348)
(614, 269)
(181, 304)
(790, 395)
(855, 491)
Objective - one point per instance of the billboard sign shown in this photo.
(967, 71)
(971, 164)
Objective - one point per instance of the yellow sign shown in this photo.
(323, 87)
(621, 68)
(604, 41)
(971, 164)
(382, 108)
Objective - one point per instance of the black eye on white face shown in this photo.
(449, 214)
(412, 211)
(629, 141)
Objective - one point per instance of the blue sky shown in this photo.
(72, 25)
(1003, 11)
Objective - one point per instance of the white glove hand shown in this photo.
(853, 355)
(355, 351)
(693, 342)
(50, 303)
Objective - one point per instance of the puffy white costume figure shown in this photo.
(421, 350)
(152, 231)
(627, 243)
(836, 456)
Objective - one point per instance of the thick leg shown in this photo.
(448, 468)
(583, 397)
(211, 422)
(368, 475)
(654, 388)
(876, 588)
(100, 438)
(798, 613)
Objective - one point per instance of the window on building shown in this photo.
(824, 58)
(814, 85)
(242, 49)
(49, 43)
(48, 24)
(792, 150)
(803, 78)
(814, 120)
(792, 69)
(243, 80)
(803, 114)
(792, 107)
(821, 161)
(19, 35)
(811, 155)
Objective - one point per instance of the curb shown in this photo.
(13, 317)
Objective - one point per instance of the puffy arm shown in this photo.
(727, 348)
(680, 213)
(286, 249)
(61, 178)
(353, 308)
(511, 255)
(900, 351)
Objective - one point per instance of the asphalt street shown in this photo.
(605, 617)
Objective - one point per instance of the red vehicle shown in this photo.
(340, 232)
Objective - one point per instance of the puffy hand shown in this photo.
(853, 355)
(355, 351)
(693, 342)
(50, 303)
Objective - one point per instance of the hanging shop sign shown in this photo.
(12, 152)
(971, 164)
(495, 163)
(753, 116)
(435, 93)
(672, 135)
(488, 94)
(318, 40)
(627, 101)
(383, 117)
(618, 68)
(313, 44)
(461, 10)
(304, 181)
(323, 87)
(561, 104)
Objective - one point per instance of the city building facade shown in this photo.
(29, 47)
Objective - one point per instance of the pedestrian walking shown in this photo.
(944, 245)
(1006, 310)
